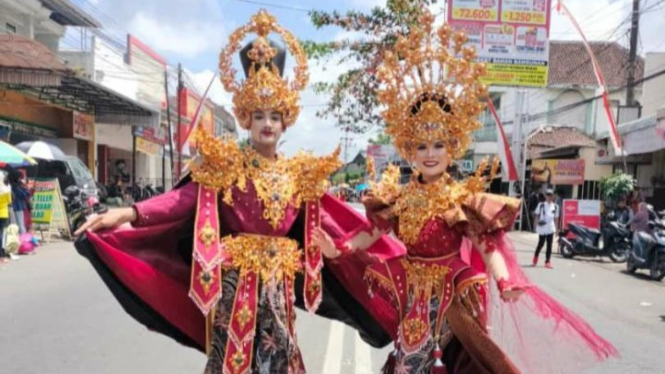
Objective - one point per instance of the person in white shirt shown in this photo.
(547, 214)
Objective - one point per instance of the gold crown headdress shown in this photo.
(264, 88)
(431, 89)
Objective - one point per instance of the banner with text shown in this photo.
(558, 171)
(510, 36)
(48, 210)
(83, 126)
(581, 212)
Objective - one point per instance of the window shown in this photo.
(9, 28)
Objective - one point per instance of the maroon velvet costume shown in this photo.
(148, 266)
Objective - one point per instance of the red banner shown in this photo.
(581, 212)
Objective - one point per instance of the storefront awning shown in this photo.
(27, 65)
(108, 106)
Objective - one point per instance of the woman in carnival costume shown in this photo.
(452, 318)
(236, 235)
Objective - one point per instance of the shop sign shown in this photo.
(147, 147)
(154, 135)
(554, 172)
(465, 166)
(510, 36)
(83, 126)
(48, 210)
(581, 212)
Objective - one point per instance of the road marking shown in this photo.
(332, 364)
(363, 356)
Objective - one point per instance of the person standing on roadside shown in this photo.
(5, 207)
(547, 215)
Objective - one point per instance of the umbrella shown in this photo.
(41, 150)
(12, 156)
(362, 187)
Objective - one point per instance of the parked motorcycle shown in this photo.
(616, 241)
(79, 206)
(649, 249)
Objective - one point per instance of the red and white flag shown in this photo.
(614, 132)
(184, 147)
(508, 170)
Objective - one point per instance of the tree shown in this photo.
(353, 95)
(381, 139)
(615, 187)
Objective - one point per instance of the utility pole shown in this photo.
(634, 31)
(179, 132)
(170, 131)
(346, 143)
(517, 134)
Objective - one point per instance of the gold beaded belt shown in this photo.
(425, 276)
(269, 257)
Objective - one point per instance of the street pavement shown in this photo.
(58, 317)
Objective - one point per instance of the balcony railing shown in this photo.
(485, 134)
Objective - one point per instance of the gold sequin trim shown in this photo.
(272, 258)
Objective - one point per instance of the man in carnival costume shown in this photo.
(220, 262)
(452, 318)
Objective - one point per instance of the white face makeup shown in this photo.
(266, 128)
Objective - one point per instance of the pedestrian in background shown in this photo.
(5, 206)
(547, 214)
(20, 199)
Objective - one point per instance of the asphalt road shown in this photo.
(58, 317)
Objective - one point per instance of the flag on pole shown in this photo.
(614, 132)
(508, 170)
(197, 117)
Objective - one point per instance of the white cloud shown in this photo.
(187, 38)
(320, 135)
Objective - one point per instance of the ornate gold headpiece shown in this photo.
(431, 89)
(264, 88)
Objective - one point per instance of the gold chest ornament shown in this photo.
(278, 182)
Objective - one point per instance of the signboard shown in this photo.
(48, 210)
(84, 126)
(147, 147)
(582, 212)
(510, 36)
(382, 155)
(558, 171)
(465, 166)
(157, 135)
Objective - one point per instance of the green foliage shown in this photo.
(381, 139)
(616, 186)
(353, 96)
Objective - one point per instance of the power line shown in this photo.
(275, 5)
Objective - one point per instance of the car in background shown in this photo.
(70, 171)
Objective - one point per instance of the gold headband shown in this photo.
(431, 89)
(264, 88)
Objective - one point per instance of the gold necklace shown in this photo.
(274, 184)
(418, 203)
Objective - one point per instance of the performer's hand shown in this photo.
(512, 294)
(322, 240)
(113, 218)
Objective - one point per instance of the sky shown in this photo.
(192, 32)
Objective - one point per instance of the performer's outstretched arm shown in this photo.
(168, 207)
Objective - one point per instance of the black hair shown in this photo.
(425, 97)
(279, 60)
